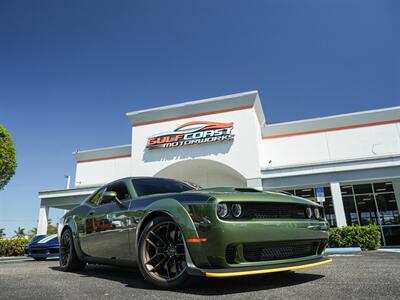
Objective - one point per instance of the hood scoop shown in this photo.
(230, 190)
(247, 190)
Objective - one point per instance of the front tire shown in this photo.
(162, 254)
(69, 261)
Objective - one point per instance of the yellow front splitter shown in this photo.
(272, 270)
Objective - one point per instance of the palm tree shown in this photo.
(2, 233)
(32, 232)
(20, 232)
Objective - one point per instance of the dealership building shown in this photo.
(350, 163)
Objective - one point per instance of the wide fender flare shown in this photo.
(177, 212)
(180, 215)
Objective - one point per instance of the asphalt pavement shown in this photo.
(370, 275)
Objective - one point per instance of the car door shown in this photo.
(108, 235)
(85, 224)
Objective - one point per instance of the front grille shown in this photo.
(38, 251)
(271, 210)
(279, 250)
(230, 254)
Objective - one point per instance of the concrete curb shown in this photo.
(12, 257)
(343, 250)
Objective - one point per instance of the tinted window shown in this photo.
(96, 197)
(121, 190)
(362, 189)
(329, 211)
(383, 187)
(327, 192)
(305, 193)
(150, 186)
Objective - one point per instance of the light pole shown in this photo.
(68, 186)
(68, 181)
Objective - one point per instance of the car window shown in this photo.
(150, 186)
(121, 189)
(94, 200)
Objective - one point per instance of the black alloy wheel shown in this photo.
(69, 261)
(162, 258)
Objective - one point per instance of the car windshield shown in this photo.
(150, 186)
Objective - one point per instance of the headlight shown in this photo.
(236, 210)
(222, 210)
(316, 213)
(309, 212)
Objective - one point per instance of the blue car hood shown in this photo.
(44, 241)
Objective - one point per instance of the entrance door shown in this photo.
(374, 203)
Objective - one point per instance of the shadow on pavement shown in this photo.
(203, 286)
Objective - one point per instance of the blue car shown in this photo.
(43, 246)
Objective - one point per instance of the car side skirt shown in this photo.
(232, 272)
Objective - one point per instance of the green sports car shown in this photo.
(173, 230)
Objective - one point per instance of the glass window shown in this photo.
(329, 211)
(150, 186)
(362, 188)
(392, 235)
(121, 190)
(346, 190)
(350, 210)
(383, 187)
(366, 209)
(305, 193)
(94, 200)
(327, 191)
(388, 209)
(363, 204)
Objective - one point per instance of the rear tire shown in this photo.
(162, 254)
(39, 258)
(69, 261)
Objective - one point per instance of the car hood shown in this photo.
(44, 241)
(250, 194)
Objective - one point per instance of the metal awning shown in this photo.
(65, 199)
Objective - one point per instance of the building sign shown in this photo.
(192, 133)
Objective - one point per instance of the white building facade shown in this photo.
(350, 163)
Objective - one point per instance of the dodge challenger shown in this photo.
(172, 230)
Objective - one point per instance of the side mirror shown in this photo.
(111, 196)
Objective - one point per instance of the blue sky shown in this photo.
(70, 70)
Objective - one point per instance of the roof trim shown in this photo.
(333, 123)
(103, 158)
(331, 129)
(197, 108)
(194, 115)
(114, 152)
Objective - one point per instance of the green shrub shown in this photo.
(365, 237)
(14, 247)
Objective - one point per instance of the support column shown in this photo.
(255, 183)
(338, 204)
(43, 219)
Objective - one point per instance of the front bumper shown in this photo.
(222, 236)
(256, 270)
(43, 252)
